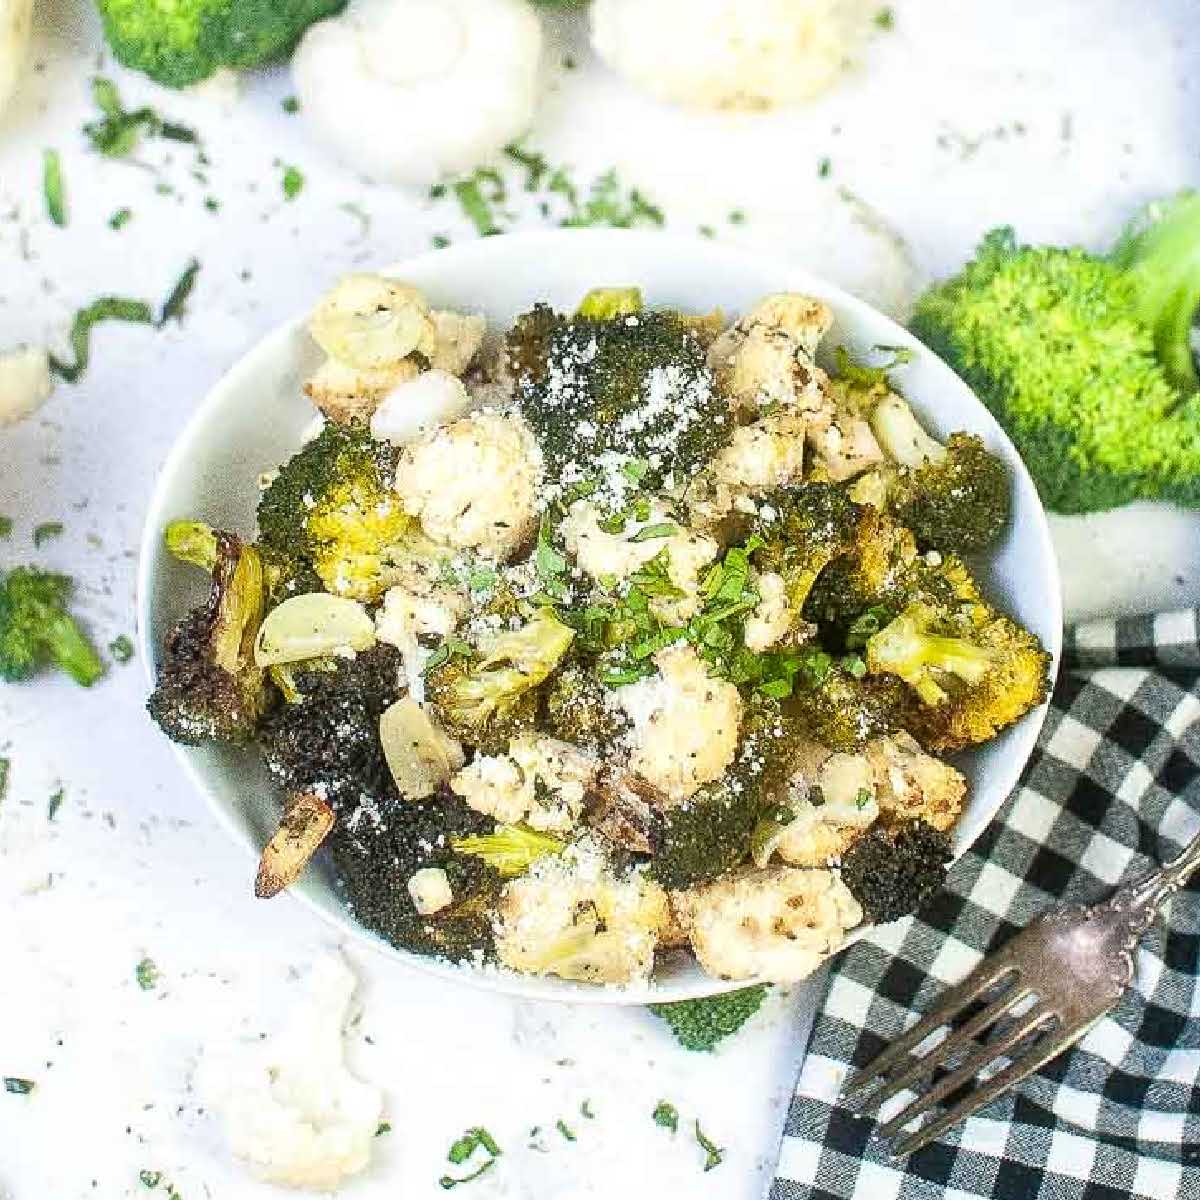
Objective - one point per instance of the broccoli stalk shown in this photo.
(700, 1024)
(910, 649)
(511, 850)
(1085, 360)
(36, 629)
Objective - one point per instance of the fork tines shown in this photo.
(900, 1068)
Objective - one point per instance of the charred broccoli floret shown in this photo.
(331, 509)
(954, 497)
(810, 527)
(486, 694)
(844, 712)
(581, 710)
(374, 859)
(36, 629)
(209, 686)
(701, 1024)
(635, 386)
(327, 739)
(892, 872)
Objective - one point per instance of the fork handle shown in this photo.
(1141, 901)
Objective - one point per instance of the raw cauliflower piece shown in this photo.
(911, 783)
(776, 924)
(474, 484)
(292, 1111)
(573, 916)
(685, 723)
(727, 54)
(766, 357)
(345, 393)
(408, 91)
(831, 812)
(541, 781)
(24, 383)
(618, 555)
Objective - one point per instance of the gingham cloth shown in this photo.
(1112, 789)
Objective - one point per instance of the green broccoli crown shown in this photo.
(331, 511)
(892, 872)
(181, 42)
(636, 386)
(700, 1024)
(209, 687)
(405, 838)
(36, 630)
(327, 739)
(1085, 360)
(581, 710)
(844, 712)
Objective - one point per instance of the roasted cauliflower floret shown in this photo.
(457, 338)
(685, 723)
(832, 808)
(774, 923)
(618, 555)
(540, 781)
(474, 484)
(767, 356)
(846, 446)
(910, 783)
(345, 393)
(576, 917)
(373, 323)
(411, 613)
(772, 618)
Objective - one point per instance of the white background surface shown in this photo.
(1105, 94)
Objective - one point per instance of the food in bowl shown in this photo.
(624, 631)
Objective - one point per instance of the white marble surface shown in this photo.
(133, 866)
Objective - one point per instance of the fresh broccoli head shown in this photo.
(331, 508)
(1085, 360)
(892, 872)
(326, 739)
(209, 686)
(636, 386)
(37, 630)
(954, 497)
(180, 42)
(487, 694)
(701, 1024)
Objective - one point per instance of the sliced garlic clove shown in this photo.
(433, 398)
(312, 625)
(419, 755)
(305, 824)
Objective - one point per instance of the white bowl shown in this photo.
(253, 419)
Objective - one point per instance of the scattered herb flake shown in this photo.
(440, 241)
(565, 1130)
(384, 1127)
(885, 18)
(715, 1155)
(737, 217)
(650, 533)
(120, 218)
(862, 798)
(121, 648)
(666, 1115)
(6, 526)
(107, 308)
(146, 974)
(54, 805)
(46, 531)
(475, 207)
(5, 767)
(706, 231)
(212, 204)
(462, 1149)
(293, 182)
(291, 106)
(53, 188)
(446, 1182)
(18, 1087)
(150, 1179)
(824, 167)
(175, 303)
(117, 132)
(587, 1111)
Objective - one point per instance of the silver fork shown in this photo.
(1053, 982)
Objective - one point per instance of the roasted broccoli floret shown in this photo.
(892, 872)
(605, 303)
(636, 387)
(375, 857)
(332, 509)
(844, 712)
(809, 527)
(36, 630)
(581, 710)
(209, 686)
(701, 1024)
(486, 694)
(326, 739)
(954, 497)
(1085, 360)
(180, 42)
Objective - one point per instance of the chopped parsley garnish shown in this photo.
(715, 1155)
(146, 974)
(475, 206)
(855, 666)
(585, 1110)
(737, 217)
(440, 241)
(824, 167)
(885, 18)
(120, 218)
(116, 133)
(150, 1179)
(650, 533)
(565, 1130)
(54, 804)
(5, 767)
(6, 526)
(463, 1148)
(53, 188)
(46, 531)
(293, 182)
(107, 308)
(862, 798)
(706, 231)
(866, 625)
(212, 204)
(18, 1087)
(666, 1115)
(291, 106)
(173, 307)
(384, 1127)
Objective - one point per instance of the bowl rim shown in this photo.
(534, 243)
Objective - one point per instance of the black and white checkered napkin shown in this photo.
(1112, 789)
